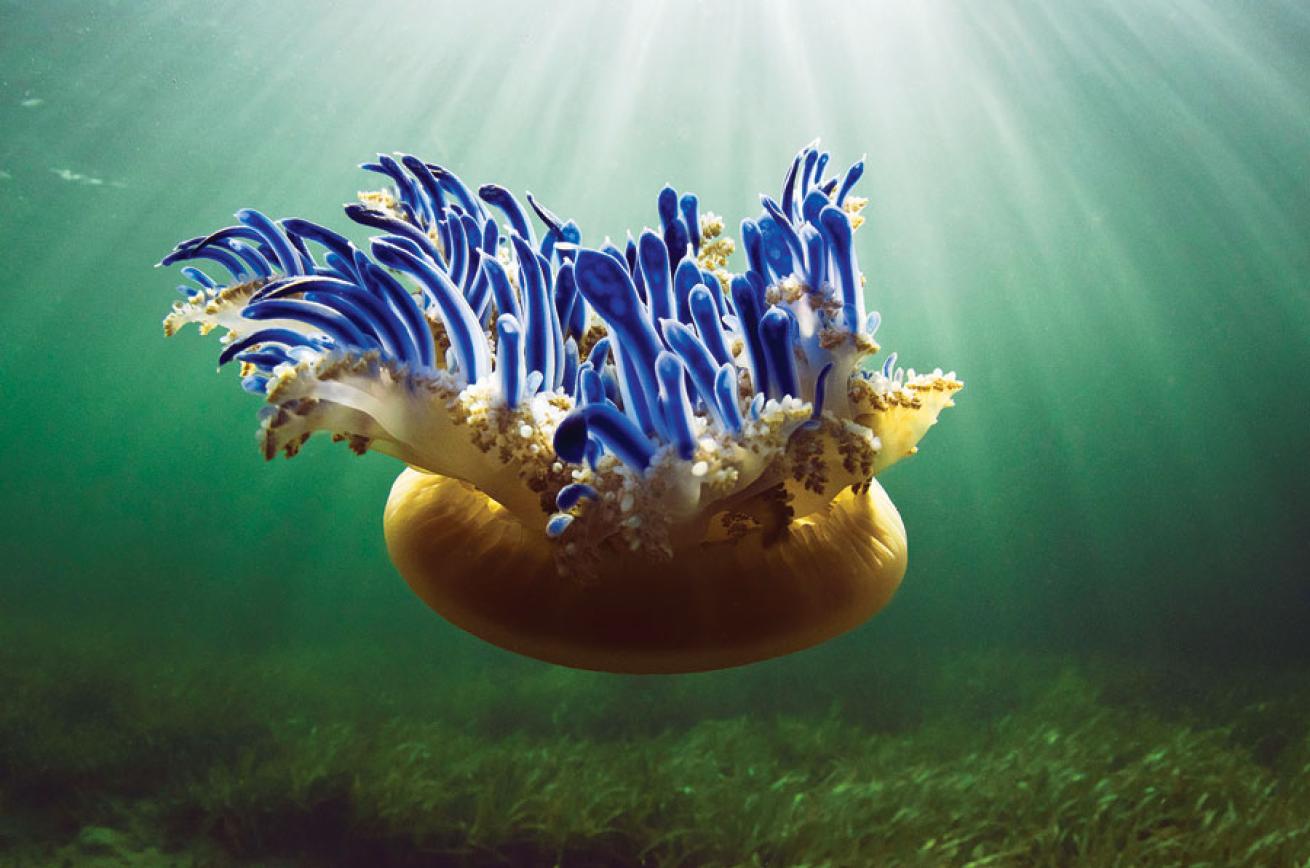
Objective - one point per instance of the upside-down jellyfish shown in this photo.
(628, 459)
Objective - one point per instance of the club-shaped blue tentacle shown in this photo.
(380, 169)
(577, 324)
(570, 495)
(490, 236)
(375, 330)
(402, 303)
(313, 315)
(690, 207)
(479, 294)
(407, 188)
(367, 312)
(566, 296)
(451, 183)
(307, 264)
(590, 388)
(653, 257)
(569, 370)
(386, 323)
(820, 391)
(571, 233)
(816, 257)
(266, 358)
(753, 241)
(406, 244)
(467, 341)
(676, 240)
(784, 226)
(674, 404)
(811, 155)
(699, 362)
(557, 524)
(472, 238)
(705, 314)
(227, 233)
(725, 390)
(633, 384)
(750, 310)
(334, 241)
(776, 336)
(284, 336)
(556, 373)
(427, 183)
(837, 231)
(599, 354)
(628, 255)
(338, 267)
(608, 425)
(457, 252)
(378, 220)
(789, 189)
(774, 245)
(685, 279)
(538, 340)
(813, 205)
(721, 299)
(607, 287)
(501, 289)
(503, 200)
(199, 277)
(250, 256)
(871, 323)
(224, 257)
(288, 259)
(852, 176)
(547, 217)
(666, 203)
(509, 359)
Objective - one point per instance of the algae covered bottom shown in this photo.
(983, 761)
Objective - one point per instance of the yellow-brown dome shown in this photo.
(711, 606)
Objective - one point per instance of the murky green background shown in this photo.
(1097, 213)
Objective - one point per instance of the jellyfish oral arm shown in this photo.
(645, 399)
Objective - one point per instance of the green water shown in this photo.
(1097, 213)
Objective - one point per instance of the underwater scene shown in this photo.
(723, 433)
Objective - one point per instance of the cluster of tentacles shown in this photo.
(643, 396)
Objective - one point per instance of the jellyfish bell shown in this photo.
(710, 605)
(631, 461)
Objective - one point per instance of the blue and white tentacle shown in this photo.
(630, 395)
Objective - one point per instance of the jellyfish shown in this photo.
(619, 458)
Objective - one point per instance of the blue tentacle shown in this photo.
(467, 341)
(674, 404)
(288, 259)
(611, 427)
